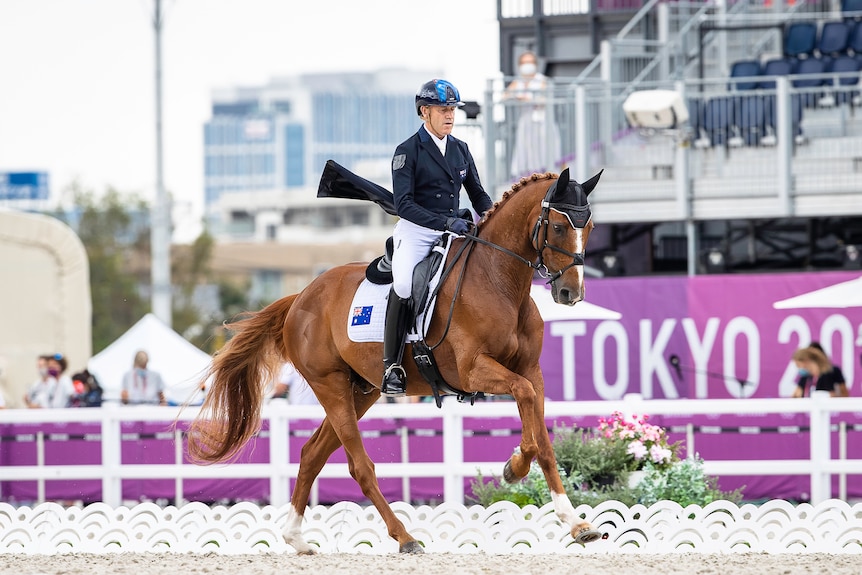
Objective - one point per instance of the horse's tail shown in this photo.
(236, 381)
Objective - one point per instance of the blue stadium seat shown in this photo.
(854, 41)
(717, 120)
(776, 67)
(745, 69)
(769, 115)
(848, 65)
(750, 119)
(852, 6)
(833, 39)
(800, 39)
(803, 79)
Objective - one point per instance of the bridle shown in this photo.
(578, 215)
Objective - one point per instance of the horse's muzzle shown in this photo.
(567, 296)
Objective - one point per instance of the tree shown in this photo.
(112, 237)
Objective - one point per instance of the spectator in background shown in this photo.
(814, 367)
(142, 385)
(88, 392)
(293, 387)
(537, 141)
(52, 389)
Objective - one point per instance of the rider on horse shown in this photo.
(428, 170)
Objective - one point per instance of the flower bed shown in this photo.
(598, 465)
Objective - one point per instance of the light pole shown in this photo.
(160, 213)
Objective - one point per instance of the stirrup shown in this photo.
(394, 381)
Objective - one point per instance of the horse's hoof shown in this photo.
(587, 535)
(307, 552)
(508, 474)
(411, 547)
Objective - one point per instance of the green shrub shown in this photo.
(596, 467)
(684, 482)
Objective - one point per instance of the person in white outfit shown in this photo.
(537, 140)
(142, 385)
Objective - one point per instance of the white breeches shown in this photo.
(412, 244)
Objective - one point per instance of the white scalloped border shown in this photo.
(773, 527)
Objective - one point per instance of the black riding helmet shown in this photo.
(437, 93)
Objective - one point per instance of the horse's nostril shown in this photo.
(565, 296)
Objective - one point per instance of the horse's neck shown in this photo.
(508, 272)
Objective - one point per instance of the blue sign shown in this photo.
(24, 186)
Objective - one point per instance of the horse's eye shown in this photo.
(558, 228)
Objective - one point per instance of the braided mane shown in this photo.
(516, 187)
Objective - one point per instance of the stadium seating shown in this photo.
(776, 67)
(750, 120)
(745, 69)
(717, 120)
(854, 42)
(803, 79)
(800, 39)
(844, 65)
(852, 7)
(833, 39)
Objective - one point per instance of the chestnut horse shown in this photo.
(541, 225)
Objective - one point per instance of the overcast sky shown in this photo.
(77, 97)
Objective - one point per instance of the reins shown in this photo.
(574, 213)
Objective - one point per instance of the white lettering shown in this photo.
(653, 360)
(610, 330)
(700, 352)
(841, 325)
(568, 330)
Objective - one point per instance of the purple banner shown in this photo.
(729, 340)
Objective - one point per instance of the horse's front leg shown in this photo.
(581, 531)
(529, 394)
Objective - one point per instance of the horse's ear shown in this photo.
(591, 183)
(561, 186)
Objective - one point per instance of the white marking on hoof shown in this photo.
(564, 509)
(293, 533)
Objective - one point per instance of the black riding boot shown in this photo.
(394, 377)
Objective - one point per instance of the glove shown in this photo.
(457, 225)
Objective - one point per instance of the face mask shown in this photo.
(804, 372)
(43, 371)
(141, 372)
(527, 69)
(53, 372)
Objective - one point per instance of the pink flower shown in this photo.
(637, 449)
(660, 454)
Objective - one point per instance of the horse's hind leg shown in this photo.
(344, 421)
(313, 457)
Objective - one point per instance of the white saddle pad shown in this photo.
(368, 309)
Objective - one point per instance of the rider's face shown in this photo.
(439, 120)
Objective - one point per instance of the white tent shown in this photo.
(180, 363)
(553, 311)
(840, 295)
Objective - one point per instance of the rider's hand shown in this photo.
(457, 225)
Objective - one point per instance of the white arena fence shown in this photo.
(721, 527)
(278, 471)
